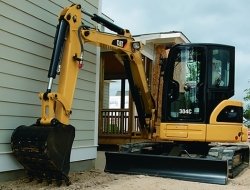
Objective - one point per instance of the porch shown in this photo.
(118, 127)
(118, 121)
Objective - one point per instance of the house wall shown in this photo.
(106, 86)
(26, 41)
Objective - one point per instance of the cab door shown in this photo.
(184, 94)
(184, 85)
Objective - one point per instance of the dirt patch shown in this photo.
(98, 180)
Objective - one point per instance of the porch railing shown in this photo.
(116, 122)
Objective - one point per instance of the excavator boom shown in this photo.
(44, 148)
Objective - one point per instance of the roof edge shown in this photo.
(156, 35)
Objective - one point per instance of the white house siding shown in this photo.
(106, 86)
(27, 30)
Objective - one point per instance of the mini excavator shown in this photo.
(200, 129)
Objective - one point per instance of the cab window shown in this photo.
(220, 68)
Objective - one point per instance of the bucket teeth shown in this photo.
(44, 151)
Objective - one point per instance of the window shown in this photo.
(231, 114)
(116, 94)
(220, 68)
(187, 75)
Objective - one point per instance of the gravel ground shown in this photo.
(98, 180)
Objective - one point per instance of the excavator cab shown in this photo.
(198, 85)
(197, 78)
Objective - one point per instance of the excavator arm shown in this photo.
(72, 50)
(56, 106)
(44, 148)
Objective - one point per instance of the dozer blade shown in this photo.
(44, 151)
(190, 169)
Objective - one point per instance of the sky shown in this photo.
(211, 21)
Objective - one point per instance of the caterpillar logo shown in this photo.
(119, 42)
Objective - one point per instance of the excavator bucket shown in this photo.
(44, 151)
(190, 169)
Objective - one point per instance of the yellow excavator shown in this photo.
(200, 129)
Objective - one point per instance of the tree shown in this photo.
(247, 108)
(247, 97)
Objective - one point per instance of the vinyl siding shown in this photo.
(26, 42)
(106, 86)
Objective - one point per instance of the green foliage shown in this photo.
(113, 129)
(246, 113)
(247, 96)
